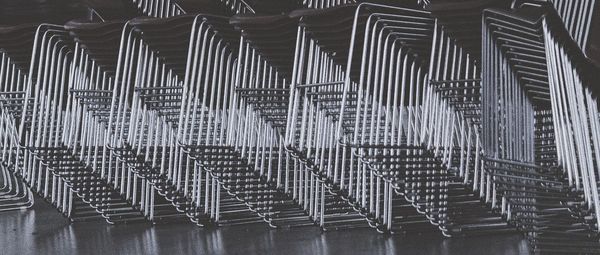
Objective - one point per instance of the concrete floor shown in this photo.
(41, 230)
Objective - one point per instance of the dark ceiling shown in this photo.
(29, 11)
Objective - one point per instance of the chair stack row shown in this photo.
(452, 117)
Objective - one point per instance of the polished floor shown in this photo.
(41, 230)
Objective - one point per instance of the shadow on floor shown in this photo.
(42, 230)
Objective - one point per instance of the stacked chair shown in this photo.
(535, 78)
(61, 150)
(450, 116)
(327, 70)
(265, 65)
(16, 52)
(454, 83)
(48, 160)
(417, 140)
(96, 68)
(19, 30)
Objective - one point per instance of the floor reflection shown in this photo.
(43, 231)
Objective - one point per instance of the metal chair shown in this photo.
(318, 100)
(265, 67)
(16, 48)
(178, 179)
(50, 167)
(544, 177)
(207, 107)
(454, 84)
